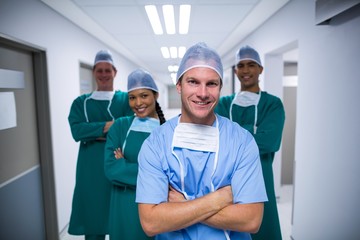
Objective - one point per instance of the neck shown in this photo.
(254, 89)
(204, 121)
(105, 90)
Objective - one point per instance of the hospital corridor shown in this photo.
(282, 76)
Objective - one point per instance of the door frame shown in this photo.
(44, 130)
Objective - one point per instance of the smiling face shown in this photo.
(104, 74)
(143, 102)
(248, 73)
(200, 91)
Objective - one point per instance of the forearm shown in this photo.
(238, 217)
(171, 216)
(121, 172)
(87, 131)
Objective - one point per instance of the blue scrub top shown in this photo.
(238, 166)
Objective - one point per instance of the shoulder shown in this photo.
(224, 104)
(120, 94)
(227, 99)
(229, 126)
(229, 129)
(269, 97)
(164, 131)
(270, 101)
(81, 99)
(167, 126)
(124, 120)
(121, 124)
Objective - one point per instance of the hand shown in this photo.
(175, 196)
(107, 126)
(118, 153)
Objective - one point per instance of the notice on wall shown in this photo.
(11, 79)
(7, 110)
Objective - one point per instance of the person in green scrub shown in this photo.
(123, 144)
(263, 115)
(90, 118)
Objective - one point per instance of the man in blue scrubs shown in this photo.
(196, 180)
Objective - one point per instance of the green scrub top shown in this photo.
(91, 199)
(270, 124)
(124, 223)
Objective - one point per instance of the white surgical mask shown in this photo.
(247, 99)
(196, 137)
(142, 125)
(100, 95)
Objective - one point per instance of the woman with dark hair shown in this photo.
(123, 144)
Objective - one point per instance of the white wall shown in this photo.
(328, 116)
(66, 45)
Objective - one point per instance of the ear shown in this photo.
(156, 95)
(178, 87)
(261, 70)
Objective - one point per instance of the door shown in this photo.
(27, 204)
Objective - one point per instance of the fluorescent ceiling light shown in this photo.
(173, 77)
(173, 52)
(173, 68)
(169, 18)
(184, 19)
(182, 51)
(154, 19)
(165, 52)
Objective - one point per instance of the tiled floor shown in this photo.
(284, 208)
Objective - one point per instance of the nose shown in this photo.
(202, 91)
(138, 101)
(245, 69)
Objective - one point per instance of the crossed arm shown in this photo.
(215, 209)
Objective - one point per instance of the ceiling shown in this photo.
(123, 26)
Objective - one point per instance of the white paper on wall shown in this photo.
(11, 79)
(7, 110)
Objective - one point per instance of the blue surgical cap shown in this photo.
(104, 56)
(200, 55)
(141, 79)
(247, 53)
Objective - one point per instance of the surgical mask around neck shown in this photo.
(147, 124)
(246, 99)
(196, 137)
(102, 95)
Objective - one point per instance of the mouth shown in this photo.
(141, 109)
(201, 102)
(247, 77)
(104, 79)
